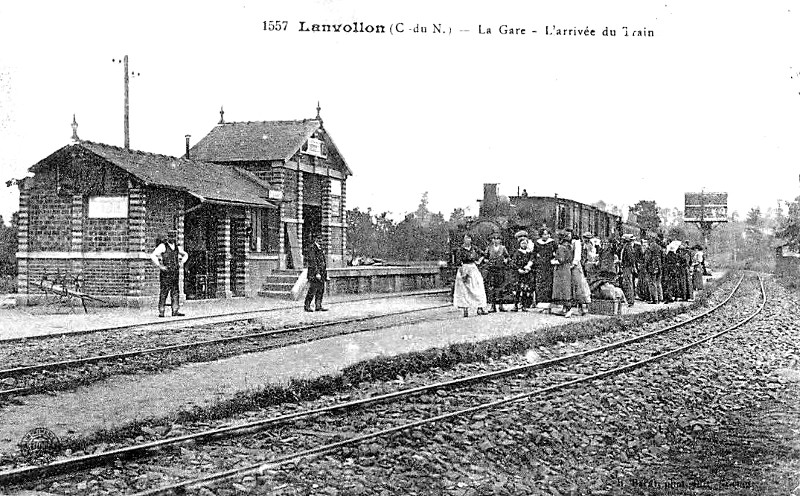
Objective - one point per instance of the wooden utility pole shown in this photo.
(127, 126)
(127, 75)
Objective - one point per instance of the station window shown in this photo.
(265, 226)
(270, 229)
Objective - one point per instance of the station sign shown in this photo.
(314, 147)
(705, 207)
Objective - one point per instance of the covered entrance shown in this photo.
(312, 211)
(200, 240)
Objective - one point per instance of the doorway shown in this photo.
(200, 243)
(312, 224)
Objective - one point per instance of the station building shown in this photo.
(244, 201)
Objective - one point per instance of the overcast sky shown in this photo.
(710, 101)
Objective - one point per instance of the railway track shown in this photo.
(518, 376)
(225, 317)
(260, 336)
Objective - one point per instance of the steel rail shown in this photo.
(197, 344)
(193, 318)
(260, 468)
(31, 472)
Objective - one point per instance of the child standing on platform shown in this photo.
(496, 257)
(522, 261)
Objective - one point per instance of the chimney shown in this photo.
(489, 204)
(74, 129)
(188, 136)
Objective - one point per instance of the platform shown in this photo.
(29, 321)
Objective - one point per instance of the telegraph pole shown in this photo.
(127, 76)
(127, 110)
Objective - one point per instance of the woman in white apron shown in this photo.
(469, 291)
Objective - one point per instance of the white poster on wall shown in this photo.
(108, 207)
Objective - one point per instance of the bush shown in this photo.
(8, 284)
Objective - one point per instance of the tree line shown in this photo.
(423, 235)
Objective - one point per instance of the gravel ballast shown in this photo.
(721, 419)
(595, 440)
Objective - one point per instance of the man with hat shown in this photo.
(627, 262)
(496, 258)
(317, 275)
(588, 252)
(654, 265)
(169, 258)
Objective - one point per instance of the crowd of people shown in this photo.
(561, 275)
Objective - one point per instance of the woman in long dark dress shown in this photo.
(544, 250)
(562, 274)
(672, 273)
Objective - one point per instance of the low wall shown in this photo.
(383, 279)
(787, 266)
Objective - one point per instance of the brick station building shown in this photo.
(243, 200)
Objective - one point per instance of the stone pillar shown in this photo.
(297, 263)
(248, 227)
(22, 242)
(326, 218)
(76, 238)
(137, 267)
(223, 258)
(277, 181)
(179, 219)
(344, 220)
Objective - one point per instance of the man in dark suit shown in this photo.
(317, 275)
(627, 262)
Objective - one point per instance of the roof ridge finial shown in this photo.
(74, 129)
(221, 115)
(318, 109)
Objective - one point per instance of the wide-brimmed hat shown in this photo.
(627, 237)
(521, 234)
(495, 235)
(588, 235)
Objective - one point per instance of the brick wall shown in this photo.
(162, 208)
(49, 221)
(105, 235)
(106, 277)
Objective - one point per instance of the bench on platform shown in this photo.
(58, 292)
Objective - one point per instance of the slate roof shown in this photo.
(207, 181)
(253, 141)
(261, 141)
